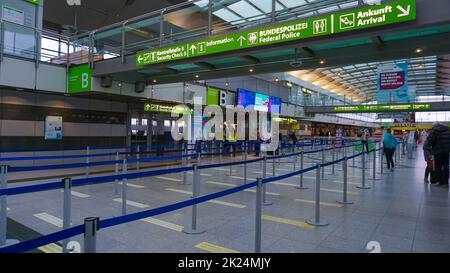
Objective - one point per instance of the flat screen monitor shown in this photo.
(275, 103)
(262, 102)
(246, 98)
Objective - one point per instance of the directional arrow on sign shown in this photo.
(140, 59)
(241, 40)
(193, 48)
(405, 12)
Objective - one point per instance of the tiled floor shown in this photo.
(399, 212)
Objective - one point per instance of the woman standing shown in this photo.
(389, 145)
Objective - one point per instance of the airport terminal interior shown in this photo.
(224, 126)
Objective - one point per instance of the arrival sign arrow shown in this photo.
(360, 18)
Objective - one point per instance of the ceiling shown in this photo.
(94, 14)
(429, 74)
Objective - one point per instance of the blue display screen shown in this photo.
(275, 105)
(258, 102)
(246, 98)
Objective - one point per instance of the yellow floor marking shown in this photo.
(321, 203)
(287, 221)
(222, 169)
(233, 205)
(132, 203)
(214, 248)
(238, 177)
(233, 185)
(228, 204)
(51, 248)
(49, 219)
(350, 183)
(339, 191)
(133, 185)
(284, 170)
(283, 184)
(164, 224)
(169, 178)
(201, 174)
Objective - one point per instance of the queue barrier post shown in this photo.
(333, 156)
(194, 230)
(67, 209)
(116, 171)
(345, 173)
(301, 186)
(316, 221)
(245, 160)
(87, 160)
(265, 201)
(124, 187)
(363, 180)
(258, 216)
(231, 159)
(4, 241)
(323, 162)
(91, 226)
(184, 163)
(138, 157)
(374, 167)
(354, 153)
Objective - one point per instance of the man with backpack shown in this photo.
(438, 144)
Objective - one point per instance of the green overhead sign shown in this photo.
(80, 79)
(159, 108)
(355, 19)
(382, 108)
(37, 2)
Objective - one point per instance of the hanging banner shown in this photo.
(392, 83)
(53, 128)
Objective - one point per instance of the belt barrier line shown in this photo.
(77, 230)
(6, 159)
(105, 179)
(88, 181)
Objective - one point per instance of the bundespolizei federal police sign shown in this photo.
(360, 18)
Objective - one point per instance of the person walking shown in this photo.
(365, 140)
(438, 144)
(389, 146)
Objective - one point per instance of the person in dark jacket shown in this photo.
(438, 144)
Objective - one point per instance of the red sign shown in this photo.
(392, 80)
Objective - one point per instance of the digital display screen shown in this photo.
(262, 102)
(246, 98)
(258, 102)
(275, 105)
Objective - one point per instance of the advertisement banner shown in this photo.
(53, 128)
(392, 83)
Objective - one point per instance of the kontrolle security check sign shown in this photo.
(356, 19)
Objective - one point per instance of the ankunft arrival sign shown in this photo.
(356, 19)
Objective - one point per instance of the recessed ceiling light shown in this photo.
(419, 50)
(421, 65)
(197, 76)
(251, 70)
(322, 62)
(155, 81)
